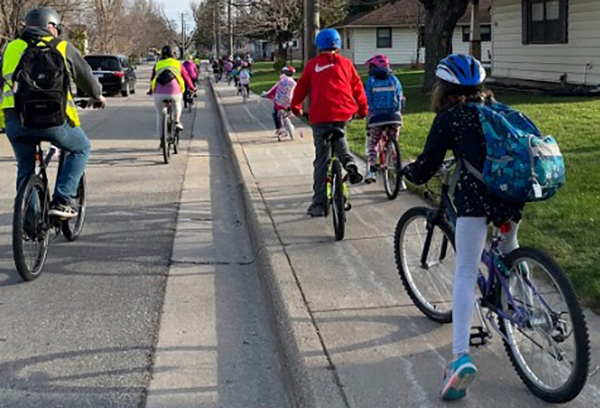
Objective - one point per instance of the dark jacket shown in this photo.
(459, 129)
(80, 70)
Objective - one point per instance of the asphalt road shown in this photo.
(85, 333)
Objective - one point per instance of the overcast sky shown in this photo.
(174, 7)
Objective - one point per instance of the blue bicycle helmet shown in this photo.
(461, 69)
(328, 38)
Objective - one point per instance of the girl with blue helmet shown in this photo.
(457, 127)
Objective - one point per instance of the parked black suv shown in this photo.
(114, 72)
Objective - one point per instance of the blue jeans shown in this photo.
(70, 139)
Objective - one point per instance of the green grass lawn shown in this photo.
(568, 225)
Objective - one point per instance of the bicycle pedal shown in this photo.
(479, 338)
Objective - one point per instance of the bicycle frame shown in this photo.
(330, 176)
(492, 258)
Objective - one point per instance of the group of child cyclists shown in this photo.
(337, 96)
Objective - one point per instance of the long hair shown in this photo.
(445, 95)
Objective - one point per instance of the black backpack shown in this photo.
(43, 86)
(165, 77)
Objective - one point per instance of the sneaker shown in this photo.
(370, 177)
(354, 176)
(179, 126)
(457, 376)
(62, 211)
(316, 210)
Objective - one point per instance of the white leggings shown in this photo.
(470, 238)
(158, 104)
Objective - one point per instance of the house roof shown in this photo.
(406, 13)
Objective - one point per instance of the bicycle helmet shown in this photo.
(166, 52)
(41, 17)
(288, 70)
(244, 64)
(379, 61)
(328, 39)
(461, 69)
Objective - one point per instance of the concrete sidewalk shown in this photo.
(349, 334)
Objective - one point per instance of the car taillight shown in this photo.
(119, 74)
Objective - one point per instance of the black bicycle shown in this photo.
(338, 196)
(169, 138)
(31, 222)
(188, 100)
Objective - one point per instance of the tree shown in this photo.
(441, 17)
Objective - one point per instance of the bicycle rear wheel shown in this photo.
(429, 284)
(550, 350)
(176, 141)
(289, 126)
(72, 228)
(391, 175)
(337, 198)
(30, 235)
(165, 138)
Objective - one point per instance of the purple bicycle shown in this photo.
(524, 297)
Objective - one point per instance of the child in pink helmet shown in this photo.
(281, 95)
(386, 102)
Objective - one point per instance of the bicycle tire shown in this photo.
(71, 229)
(176, 142)
(408, 281)
(289, 126)
(393, 167)
(577, 379)
(166, 145)
(337, 198)
(19, 235)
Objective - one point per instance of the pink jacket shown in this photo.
(191, 69)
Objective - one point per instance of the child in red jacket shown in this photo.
(336, 96)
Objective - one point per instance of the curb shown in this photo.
(310, 377)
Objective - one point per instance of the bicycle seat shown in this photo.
(334, 134)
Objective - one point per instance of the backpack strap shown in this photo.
(472, 170)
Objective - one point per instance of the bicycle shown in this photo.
(31, 222)
(519, 294)
(229, 77)
(287, 127)
(338, 195)
(388, 162)
(243, 88)
(169, 138)
(188, 100)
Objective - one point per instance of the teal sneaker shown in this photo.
(457, 377)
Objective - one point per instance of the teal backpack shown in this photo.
(521, 165)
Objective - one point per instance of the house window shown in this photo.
(295, 44)
(422, 36)
(545, 21)
(384, 38)
(486, 33)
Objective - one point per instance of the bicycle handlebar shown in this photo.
(82, 103)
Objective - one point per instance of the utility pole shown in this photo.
(475, 45)
(311, 27)
(216, 29)
(230, 27)
(183, 39)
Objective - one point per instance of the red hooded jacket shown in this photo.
(336, 91)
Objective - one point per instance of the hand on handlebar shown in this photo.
(99, 103)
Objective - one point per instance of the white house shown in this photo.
(546, 41)
(397, 30)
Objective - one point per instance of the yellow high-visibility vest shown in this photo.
(12, 57)
(172, 65)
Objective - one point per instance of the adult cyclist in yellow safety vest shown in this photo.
(169, 81)
(29, 121)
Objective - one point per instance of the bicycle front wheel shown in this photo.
(289, 126)
(425, 259)
(30, 235)
(72, 228)
(549, 348)
(391, 175)
(337, 198)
